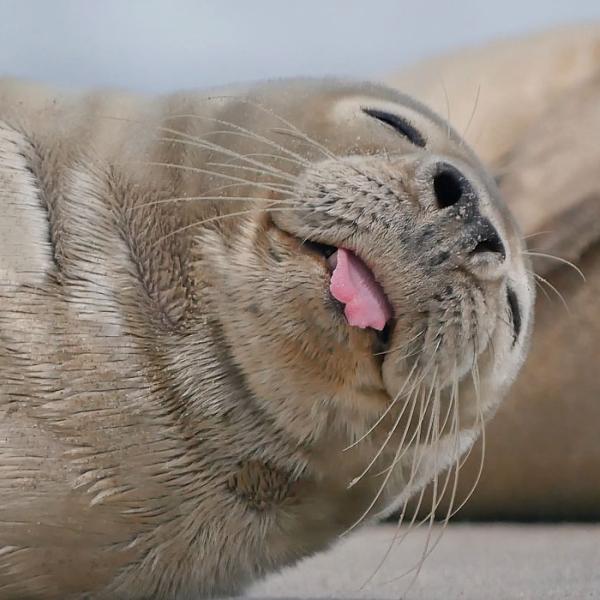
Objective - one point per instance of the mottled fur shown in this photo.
(178, 387)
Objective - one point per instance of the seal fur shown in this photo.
(184, 406)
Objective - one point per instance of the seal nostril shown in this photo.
(490, 242)
(448, 187)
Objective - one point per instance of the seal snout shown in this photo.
(453, 190)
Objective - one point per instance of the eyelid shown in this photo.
(401, 125)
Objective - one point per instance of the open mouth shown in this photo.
(353, 284)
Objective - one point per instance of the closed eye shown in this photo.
(402, 126)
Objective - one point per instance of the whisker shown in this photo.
(539, 286)
(435, 490)
(455, 432)
(564, 261)
(481, 419)
(400, 449)
(447, 99)
(394, 541)
(267, 155)
(225, 216)
(237, 130)
(381, 448)
(387, 410)
(536, 234)
(417, 435)
(251, 170)
(245, 131)
(553, 288)
(297, 134)
(397, 348)
(228, 186)
(415, 464)
(280, 189)
(385, 481)
(281, 119)
(397, 459)
(433, 432)
(458, 464)
(482, 129)
(198, 142)
(215, 198)
(414, 353)
(472, 116)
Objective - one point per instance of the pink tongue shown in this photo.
(353, 284)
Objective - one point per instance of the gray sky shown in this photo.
(158, 46)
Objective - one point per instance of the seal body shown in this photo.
(185, 406)
(486, 102)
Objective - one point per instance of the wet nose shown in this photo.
(452, 188)
(488, 239)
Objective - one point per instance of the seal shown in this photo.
(537, 132)
(233, 328)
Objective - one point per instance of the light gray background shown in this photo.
(163, 45)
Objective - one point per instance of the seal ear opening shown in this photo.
(551, 178)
